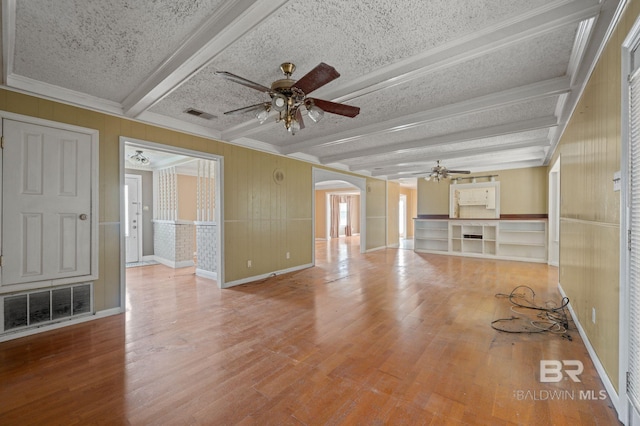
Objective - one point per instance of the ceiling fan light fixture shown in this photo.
(279, 102)
(293, 127)
(315, 113)
(262, 114)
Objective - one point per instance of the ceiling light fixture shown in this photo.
(138, 159)
(289, 99)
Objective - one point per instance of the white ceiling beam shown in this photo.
(8, 37)
(552, 87)
(382, 168)
(499, 36)
(228, 24)
(409, 146)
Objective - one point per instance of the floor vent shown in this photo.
(40, 307)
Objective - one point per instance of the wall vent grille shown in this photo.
(201, 114)
(41, 307)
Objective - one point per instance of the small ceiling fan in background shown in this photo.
(289, 97)
(441, 172)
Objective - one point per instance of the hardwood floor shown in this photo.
(389, 337)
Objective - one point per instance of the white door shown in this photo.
(46, 199)
(133, 217)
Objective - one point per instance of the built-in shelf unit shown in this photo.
(510, 239)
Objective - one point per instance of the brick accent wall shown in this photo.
(206, 243)
(173, 241)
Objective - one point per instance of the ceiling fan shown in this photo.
(289, 97)
(441, 172)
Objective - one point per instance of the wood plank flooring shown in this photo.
(389, 337)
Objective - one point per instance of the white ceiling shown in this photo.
(479, 84)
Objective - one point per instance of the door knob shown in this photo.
(83, 216)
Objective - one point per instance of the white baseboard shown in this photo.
(263, 276)
(375, 249)
(207, 274)
(611, 390)
(173, 263)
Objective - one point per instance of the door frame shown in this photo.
(626, 412)
(219, 202)
(139, 227)
(554, 215)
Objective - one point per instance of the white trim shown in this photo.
(206, 274)
(631, 41)
(172, 263)
(553, 243)
(611, 390)
(265, 276)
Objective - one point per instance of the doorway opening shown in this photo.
(402, 216)
(171, 208)
(339, 216)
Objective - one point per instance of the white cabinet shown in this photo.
(523, 239)
(431, 235)
(498, 239)
(473, 237)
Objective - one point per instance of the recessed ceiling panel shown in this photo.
(102, 48)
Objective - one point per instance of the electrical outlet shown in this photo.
(593, 315)
(248, 264)
(288, 255)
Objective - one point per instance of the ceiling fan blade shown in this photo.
(299, 118)
(240, 80)
(248, 108)
(459, 172)
(317, 77)
(336, 108)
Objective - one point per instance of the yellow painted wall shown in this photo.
(187, 202)
(262, 219)
(321, 214)
(589, 152)
(522, 191)
(393, 199)
(376, 214)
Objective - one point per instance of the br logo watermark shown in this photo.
(552, 371)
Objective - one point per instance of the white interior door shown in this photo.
(133, 217)
(46, 199)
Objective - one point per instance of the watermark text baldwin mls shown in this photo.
(554, 371)
(559, 395)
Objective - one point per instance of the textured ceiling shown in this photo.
(481, 85)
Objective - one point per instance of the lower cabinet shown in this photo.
(524, 240)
